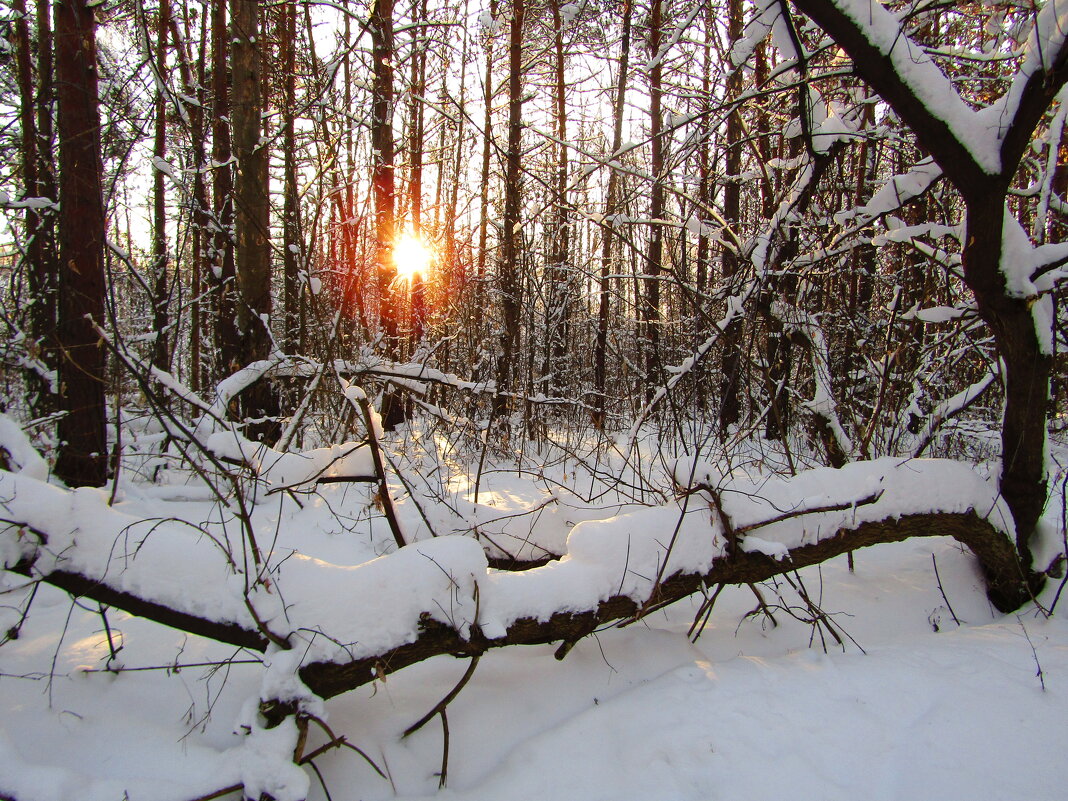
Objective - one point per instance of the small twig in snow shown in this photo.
(941, 590)
(444, 749)
(1038, 665)
(704, 612)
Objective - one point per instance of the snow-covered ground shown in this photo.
(932, 695)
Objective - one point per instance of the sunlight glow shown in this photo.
(412, 256)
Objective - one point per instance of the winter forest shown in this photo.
(535, 400)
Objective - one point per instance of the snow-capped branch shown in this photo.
(950, 407)
(970, 146)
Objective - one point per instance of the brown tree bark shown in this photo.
(223, 270)
(416, 118)
(383, 180)
(487, 149)
(82, 456)
(600, 353)
(47, 305)
(558, 301)
(511, 236)
(39, 255)
(252, 214)
(730, 360)
(194, 81)
(383, 170)
(654, 258)
(291, 239)
(161, 353)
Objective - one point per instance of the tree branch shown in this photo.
(876, 66)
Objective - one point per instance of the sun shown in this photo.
(412, 256)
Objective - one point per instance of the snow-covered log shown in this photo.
(438, 596)
(330, 678)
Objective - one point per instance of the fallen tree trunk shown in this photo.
(1005, 587)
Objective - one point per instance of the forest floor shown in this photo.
(930, 694)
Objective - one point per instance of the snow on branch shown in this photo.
(822, 404)
(892, 195)
(913, 72)
(349, 461)
(951, 407)
(969, 145)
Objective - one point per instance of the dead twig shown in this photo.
(444, 702)
(938, 578)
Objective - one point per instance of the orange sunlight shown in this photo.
(412, 256)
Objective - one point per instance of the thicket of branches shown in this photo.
(831, 225)
(620, 205)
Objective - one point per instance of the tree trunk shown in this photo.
(291, 239)
(195, 82)
(600, 353)
(558, 304)
(383, 178)
(252, 218)
(730, 362)
(161, 356)
(511, 235)
(415, 128)
(654, 259)
(82, 456)
(487, 149)
(40, 247)
(1026, 372)
(223, 269)
(384, 183)
(47, 300)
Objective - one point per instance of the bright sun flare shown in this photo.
(412, 256)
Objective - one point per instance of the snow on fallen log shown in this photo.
(353, 624)
(21, 455)
(621, 568)
(903, 487)
(166, 570)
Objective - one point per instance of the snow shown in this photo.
(634, 713)
(266, 766)
(901, 486)
(158, 559)
(1019, 262)
(24, 457)
(370, 608)
(767, 17)
(167, 169)
(349, 460)
(895, 192)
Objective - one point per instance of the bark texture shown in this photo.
(83, 453)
